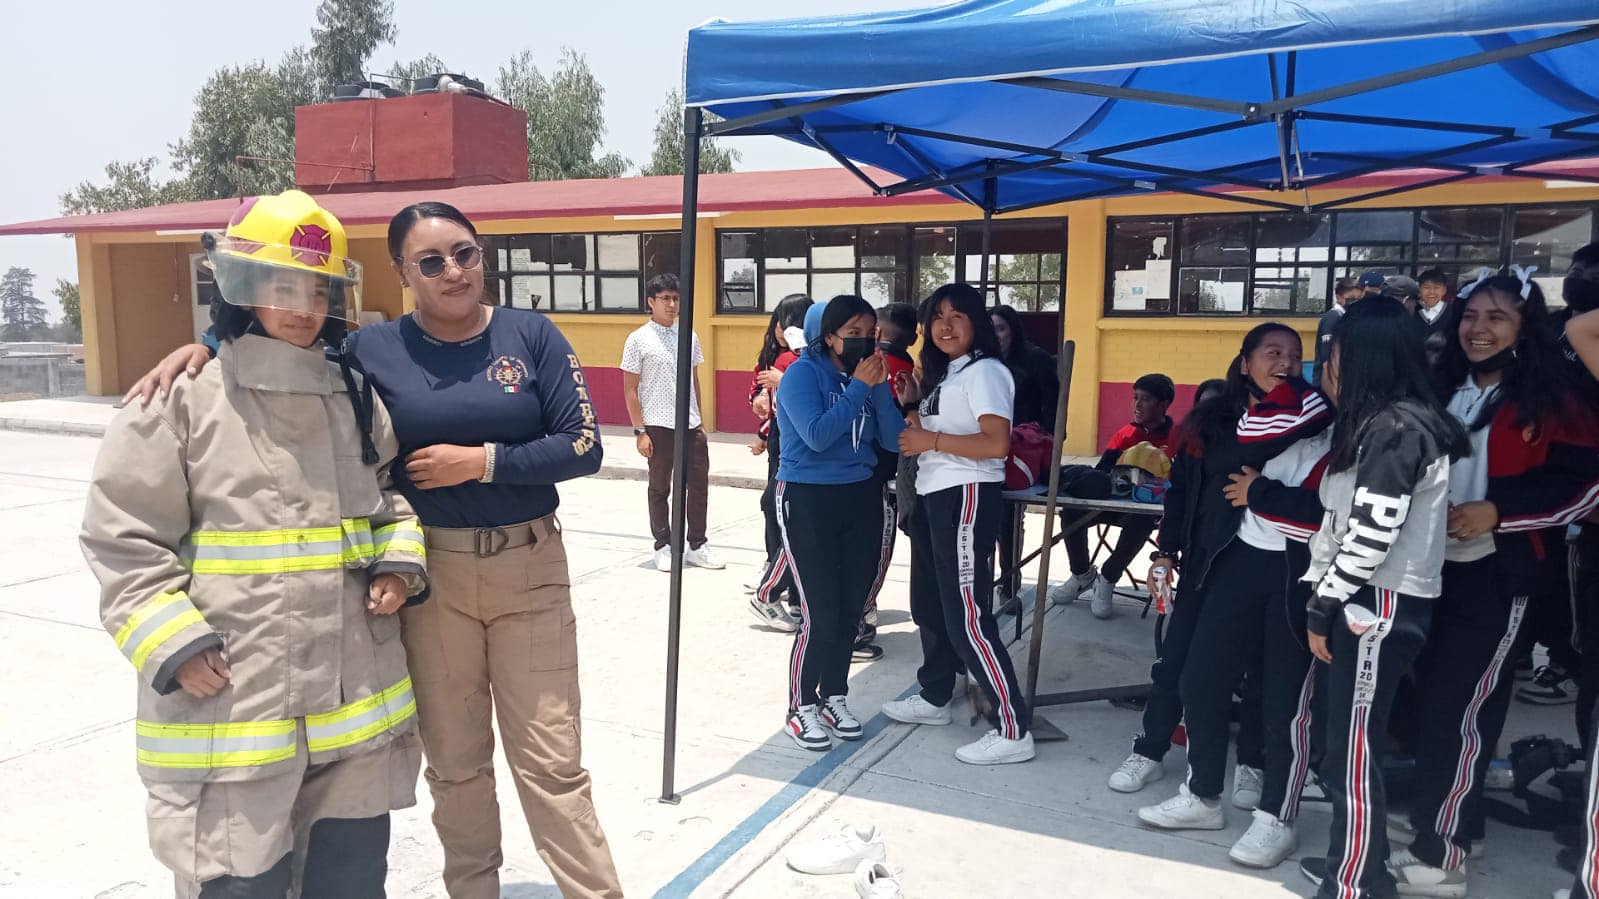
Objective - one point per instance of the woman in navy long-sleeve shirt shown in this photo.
(835, 408)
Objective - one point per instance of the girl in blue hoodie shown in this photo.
(835, 408)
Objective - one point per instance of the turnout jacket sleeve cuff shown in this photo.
(164, 678)
(414, 575)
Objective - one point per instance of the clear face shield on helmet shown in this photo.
(304, 279)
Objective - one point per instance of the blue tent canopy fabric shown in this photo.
(1012, 103)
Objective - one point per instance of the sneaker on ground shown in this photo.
(1185, 811)
(1136, 773)
(1549, 686)
(663, 559)
(865, 651)
(993, 749)
(1247, 786)
(1414, 877)
(805, 728)
(1314, 791)
(1314, 867)
(1067, 593)
(1266, 843)
(840, 852)
(1103, 603)
(1522, 668)
(875, 880)
(839, 720)
(774, 615)
(916, 710)
(1400, 830)
(702, 558)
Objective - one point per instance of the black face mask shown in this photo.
(1496, 362)
(855, 349)
(1581, 294)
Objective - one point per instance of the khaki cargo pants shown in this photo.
(498, 636)
(203, 830)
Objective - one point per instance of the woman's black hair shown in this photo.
(1215, 419)
(400, 226)
(835, 315)
(1209, 385)
(1381, 362)
(1018, 336)
(789, 313)
(965, 299)
(1538, 380)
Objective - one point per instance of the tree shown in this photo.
(565, 117)
(21, 313)
(667, 159)
(403, 73)
(66, 293)
(128, 185)
(347, 33)
(241, 111)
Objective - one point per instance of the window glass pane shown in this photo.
(618, 252)
(573, 293)
(1456, 235)
(495, 290)
(738, 251)
(1297, 291)
(663, 253)
(1215, 240)
(1137, 248)
(1547, 238)
(1211, 291)
(781, 284)
(833, 248)
(1023, 297)
(1293, 237)
(1049, 297)
(529, 253)
(571, 253)
(881, 288)
(786, 248)
(528, 291)
(1372, 235)
(620, 293)
(826, 285)
(935, 260)
(883, 247)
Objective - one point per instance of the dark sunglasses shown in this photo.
(466, 259)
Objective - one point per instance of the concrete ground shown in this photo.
(73, 823)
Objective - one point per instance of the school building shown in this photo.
(1157, 282)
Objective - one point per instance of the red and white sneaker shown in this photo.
(838, 719)
(804, 727)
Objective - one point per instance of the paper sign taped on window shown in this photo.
(1157, 274)
(1131, 292)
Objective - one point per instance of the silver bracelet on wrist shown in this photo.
(489, 452)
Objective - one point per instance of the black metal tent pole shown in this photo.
(693, 128)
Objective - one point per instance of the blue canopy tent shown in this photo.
(1012, 104)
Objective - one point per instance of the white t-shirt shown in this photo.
(969, 391)
(1468, 477)
(1290, 467)
(651, 353)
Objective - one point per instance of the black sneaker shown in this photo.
(1314, 867)
(866, 651)
(1550, 686)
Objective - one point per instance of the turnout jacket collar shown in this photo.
(265, 363)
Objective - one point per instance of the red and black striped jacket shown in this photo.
(1539, 477)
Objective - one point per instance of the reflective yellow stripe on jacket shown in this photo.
(403, 537)
(154, 623)
(361, 720)
(280, 551)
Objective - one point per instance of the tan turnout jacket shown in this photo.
(239, 515)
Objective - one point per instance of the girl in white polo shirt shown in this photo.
(962, 437)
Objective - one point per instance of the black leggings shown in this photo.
(347, 859)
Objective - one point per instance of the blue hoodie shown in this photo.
(837, 422)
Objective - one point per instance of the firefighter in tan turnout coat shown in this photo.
(251, 557)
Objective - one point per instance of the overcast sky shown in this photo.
(95, 81)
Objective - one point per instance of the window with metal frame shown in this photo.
(594, 272)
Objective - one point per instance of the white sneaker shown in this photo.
(1401, 833)
(840, 852)
(1074, 587)
(839, 720)
(1415, 877)
(875, 880)
(1185, 811)
(917, 710)
(1103, 603)
(1136, 773)
(804, 727)
(993, 749)
(1247, 786)
(774, 615)
(663, 559)
(702, 558)
(1266, 843)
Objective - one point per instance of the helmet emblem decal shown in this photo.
(311, 244)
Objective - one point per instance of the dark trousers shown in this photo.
(1135, 531)
(660, 489)
(1163, 709)
(1586, 885)
(1360, 685)
(1584, 566)
(1549, 615)
(831, 533)
(1010, 544)
(867, 631)
(1244, 630)
(777, 576)
(1464, 685)
(952, 593)
(347, 858)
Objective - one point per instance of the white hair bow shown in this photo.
(1522, 273)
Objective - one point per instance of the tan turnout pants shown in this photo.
(497, 634)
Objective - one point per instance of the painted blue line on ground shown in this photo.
(792, 792)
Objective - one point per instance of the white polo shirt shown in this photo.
(970, 390)
(1468, 476)
(651, 353)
